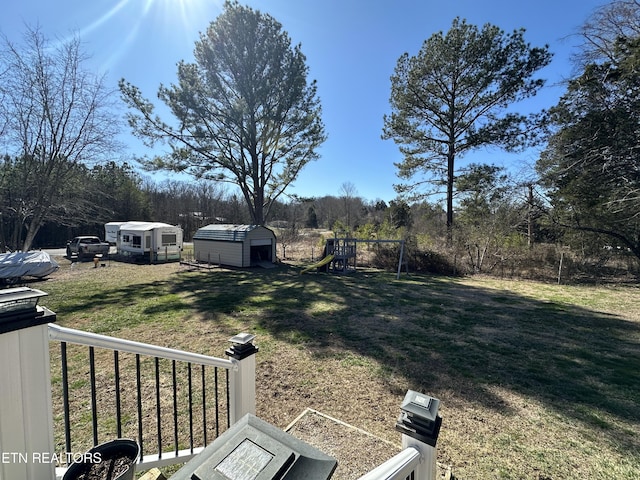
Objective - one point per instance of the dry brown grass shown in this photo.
(536, 380)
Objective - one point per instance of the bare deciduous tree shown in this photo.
(607, 24)
(348, 191)
(55, 116)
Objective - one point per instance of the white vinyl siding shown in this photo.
(232, 244)
(224, 253)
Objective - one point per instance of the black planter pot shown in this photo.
(114, 460)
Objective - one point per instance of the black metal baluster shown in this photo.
(204, 409)
(190, 407)
(175, 408)
(228, 401)
(139, 392)
(217, 402)
(94, 406)
(65, 396)
(159, 420)
(116, 367)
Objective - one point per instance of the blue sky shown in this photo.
(351, 46)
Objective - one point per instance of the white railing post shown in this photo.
(242, 384)
(420, 423)
(26, 418)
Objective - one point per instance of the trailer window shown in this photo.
(136, 241)
(169, 240)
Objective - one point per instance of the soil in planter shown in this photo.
(108, 469)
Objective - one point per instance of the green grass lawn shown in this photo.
(535, 380)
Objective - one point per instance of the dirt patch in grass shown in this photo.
(343, 442)
(535, 380)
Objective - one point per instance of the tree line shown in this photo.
(87, 198)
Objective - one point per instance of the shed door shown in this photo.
(261, 250)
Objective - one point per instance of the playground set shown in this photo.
(339, 255)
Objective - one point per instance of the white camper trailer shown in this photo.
(158, 242)
(111, 230)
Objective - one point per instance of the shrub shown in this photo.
(417, 259)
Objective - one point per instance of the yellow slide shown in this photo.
(321, 263)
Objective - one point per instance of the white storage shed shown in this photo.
(235, 245)
(159, 242)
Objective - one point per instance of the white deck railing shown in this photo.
(89, 339)
(400, 467)
(240, 390)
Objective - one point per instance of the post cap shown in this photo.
(419, 417)
(242, 346)
(420, 405)
(19, 309)
(242, 338)
(19, 299)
